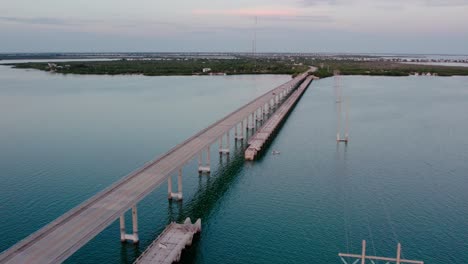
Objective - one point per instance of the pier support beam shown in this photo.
(178, 195)
(124, 237)
(204, 169)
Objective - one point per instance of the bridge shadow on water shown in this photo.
(211, 190)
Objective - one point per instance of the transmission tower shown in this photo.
(254, 42)
(339, 110)
(363, 257)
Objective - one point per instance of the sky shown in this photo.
(359, 26)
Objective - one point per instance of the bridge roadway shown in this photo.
(62, 237)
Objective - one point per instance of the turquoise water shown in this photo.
(401, 178)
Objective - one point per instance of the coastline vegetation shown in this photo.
(164, 67)
(326, 68)
(243, 65)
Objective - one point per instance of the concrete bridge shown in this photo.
(61, 238)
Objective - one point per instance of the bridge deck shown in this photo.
(61, 238)
(167, 248)
(259, 139)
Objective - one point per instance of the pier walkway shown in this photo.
(167, 248)
(58, 240)
(259, 139)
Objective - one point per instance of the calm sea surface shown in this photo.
(403, 176)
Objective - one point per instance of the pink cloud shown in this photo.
(249, 12)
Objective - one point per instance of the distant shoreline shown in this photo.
(291, 65)
(169, 67)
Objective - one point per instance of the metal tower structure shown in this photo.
(337, 86)
(339, 110)
(363, 257)
(254, 42)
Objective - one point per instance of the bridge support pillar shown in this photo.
(124, 237)
(179, 184)
(260, 116)
(339, 139)
(242, 129)
(221, 149)
(135, 224)
(206, 168)
(251, 121)
(122, 229)
(240, 136)
(178, 195)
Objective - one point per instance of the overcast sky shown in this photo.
(397, 26)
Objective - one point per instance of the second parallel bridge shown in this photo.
(64, 236)
(257, 141)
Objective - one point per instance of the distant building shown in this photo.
(206, 69)
(51, 66)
